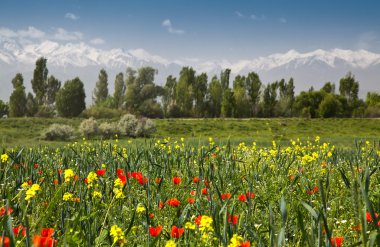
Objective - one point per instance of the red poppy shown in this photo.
(225, 196)
(40, 172)
(193, 192)
(336, 241)
(55, 181)
(206, 183)
(119, 171)
(198, 220)
(233, 219)
(59, 171)
(196, 180)
(123, 178)
(246, 244)
(191, 200)
(204, 191)
(101, 172)
(30, 182)
(3, 211)
(47, 232)
(36, 166)
(242, 198)
(151, 215)
(369, 218)
(173, 202)
(160, 205)
(155, 231)
(76, 177)
(18, 229)
(40, 241)
(6, 242)
(176, 180)
(85, 181)
(250, 195)
(177, 232)
(157, 180)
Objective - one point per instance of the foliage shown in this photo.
(99, 112)
(39, 81)
(17, 100)
(101, 89)
(170, 192)
(31, 105)
(109, 129)
(88, 127)
(70, 99)
(58, 132)
(120, 89)
(127, 125)
(4, 108)
(145, 128)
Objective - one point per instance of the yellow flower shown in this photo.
(170, 243)
(91, 178)
(96, 194)
(190, 225)
(4, 158)
(69, 174)
(118, 193)
(236, 241)
(118, 183)
(68, 197)
(140, 208)
(31, 193)
(117, 233)
(25, 185)
(206, 223)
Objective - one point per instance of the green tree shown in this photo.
(270, 99)
(349, 89)
(100, 93)
(286, 100)
(330, 106)
(225, 79)
(214, 98)
(184, 91)
(120, 89)
(373, 99)
(52, 87)
(329, 87)
(228, 103)
(4, 109)
(17, 100)
(168, 99)
(307, 103)
(253, 86)
(31, 105)
(39, 81)
(199, 95)
(70, 99)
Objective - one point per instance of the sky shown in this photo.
(199, 29)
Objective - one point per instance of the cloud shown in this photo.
(283, 20)
(71, 16)
(63, 35)
(168, 25)
(30, 32)
(97, 41)
(239, 14)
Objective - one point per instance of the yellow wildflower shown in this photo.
(117, 233)
(236, 241)
(118, 193)
(69, 174)
(4, 158)
(96, 194)
(140, 208)
(31, 193)
(68, 197)
(206, 223)
(190, 226)
(118, 183)
(170, 243)
(91, 178)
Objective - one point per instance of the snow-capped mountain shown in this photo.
(68, 60)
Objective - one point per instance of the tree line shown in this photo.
(189, 95)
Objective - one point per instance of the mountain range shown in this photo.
(68, 60)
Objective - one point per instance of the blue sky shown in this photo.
(201, 29)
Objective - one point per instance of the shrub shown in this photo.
(101, 112)
(108, 129)
(45, 112)
(58, 132)
(88, 127)
(145, 127)
(127, 125)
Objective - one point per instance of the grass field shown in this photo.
(341, 132)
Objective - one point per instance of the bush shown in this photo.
(58, 132)
(127, 125)
(101, 112)
(108, 129)
(45, 112)
(88, 127)
(145, 127)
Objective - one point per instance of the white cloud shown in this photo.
(71, 16)
(62, 34)
(283, 20)
(168, 25)
(97, 41)
(31, 32)
(239, 14)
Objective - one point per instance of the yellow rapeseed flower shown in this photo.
(4, 158)
(118, 193)
(96, 194)
(91, 178)
(68, 197)
(118, 183)
(31, 193)
(206, 223)
(189, 225)
(236, 241)
(69, 174)
(117, 233)
(170, 243)
(140, 208)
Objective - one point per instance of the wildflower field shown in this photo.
(172, 193)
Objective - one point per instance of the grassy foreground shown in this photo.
(341, 132)
(171, 193)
